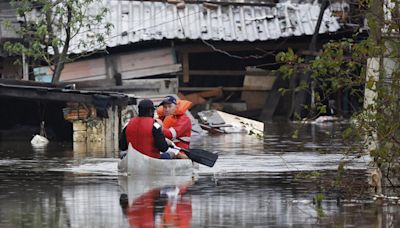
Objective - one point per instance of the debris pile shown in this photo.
(221, 122)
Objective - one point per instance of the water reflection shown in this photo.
(168, 205)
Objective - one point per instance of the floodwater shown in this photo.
(268, 182)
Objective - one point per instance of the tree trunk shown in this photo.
(63, 55)
(58, 69)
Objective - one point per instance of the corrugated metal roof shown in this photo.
(136, 21)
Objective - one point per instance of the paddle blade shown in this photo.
(202, 156)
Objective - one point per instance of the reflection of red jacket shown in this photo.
(178, 126)
(142, 212)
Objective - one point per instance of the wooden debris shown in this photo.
(77, 111)
(229, 106)
(210, 6)
(181, 5)
(174, 1)
(211, 130)
(217, 121)
(251, 126)
(256, 85)
(200, 97)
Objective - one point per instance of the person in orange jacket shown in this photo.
(176, 124)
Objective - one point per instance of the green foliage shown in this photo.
(347, 133)
(52, 29)
(342, 65)
(310, 175)
(295, 134)
(340, 174)
(318, 198)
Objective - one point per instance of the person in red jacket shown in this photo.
(145, 134)
(176, 124)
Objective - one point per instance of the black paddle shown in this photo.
(201, 156)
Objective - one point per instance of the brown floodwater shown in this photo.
(277, 181)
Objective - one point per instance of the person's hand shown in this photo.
(159, 121)
(175, 151)
(170, 143)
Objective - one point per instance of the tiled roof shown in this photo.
(136, 21)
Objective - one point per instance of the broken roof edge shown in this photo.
(52, 92)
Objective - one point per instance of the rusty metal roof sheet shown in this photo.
(136, 21)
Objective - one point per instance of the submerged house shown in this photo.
(216, 54)
(89, 119)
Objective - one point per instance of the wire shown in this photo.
(145, 28)
(243, 57)
(180, 21)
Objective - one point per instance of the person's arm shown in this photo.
(182, 125)
(159, 137)
(123, 143)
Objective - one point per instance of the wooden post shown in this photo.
(185, 67)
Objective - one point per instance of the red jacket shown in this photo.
(139, 134)
(178, 126)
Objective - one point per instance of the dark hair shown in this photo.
(146, 108)
(146, 112)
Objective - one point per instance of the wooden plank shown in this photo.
(166, 69)
(259, 83)
(95, 83)
(217, 72)
(163, 86)
(145, 59)
(223, 88)
(272, 100)
(234, 2)
(243, 46)
(256, 99)
(92, 68)
(185, 66)
(223, 73)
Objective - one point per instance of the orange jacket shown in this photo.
(177, 126)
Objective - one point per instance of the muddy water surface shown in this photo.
(272, 182)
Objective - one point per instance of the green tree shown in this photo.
(368, 68)
(51, 30)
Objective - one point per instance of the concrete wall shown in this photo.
(97, 135)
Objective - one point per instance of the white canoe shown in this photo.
(137, 163)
